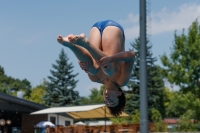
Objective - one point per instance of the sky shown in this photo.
(28, 31)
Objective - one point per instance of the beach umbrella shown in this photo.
(43, 124)
(79, 123)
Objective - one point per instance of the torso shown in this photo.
(114, 77)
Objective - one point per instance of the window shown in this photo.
(53, 119)
(67, 123)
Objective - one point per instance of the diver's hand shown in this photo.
(84, 66)
(104, 62)
(88, 67)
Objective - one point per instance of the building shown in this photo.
(171, 122)
(15, 115)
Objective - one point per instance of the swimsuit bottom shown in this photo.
(101, 25)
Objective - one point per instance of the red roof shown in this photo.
(171, 121)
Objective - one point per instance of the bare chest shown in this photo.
(117, 72)
(114, 77)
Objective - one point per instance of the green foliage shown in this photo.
(155, 115)
(60, 89)
(183, 102)
(158, 123)
(160, 126)
(135, 117)
(2, 71)
(155, 83)
(178, 105)
(186, 107)
(182, 66)
(11, 86)
(168, 94)
(185, 123)
(36, 94)
(96, 96)
(119, 120)
(156, 118)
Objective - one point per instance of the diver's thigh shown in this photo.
(112, 40)
(95, 38)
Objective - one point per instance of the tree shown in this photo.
(180, 103)
(159, 124)
(96, 96)
(177, 105)
(60, 89)
(36, 94)
(185, 123)
(168, 94)
(11, 86)
(119, 120)
(2, 70)
(3, 80)
(135, 118)
(155, 82)
(182, 67)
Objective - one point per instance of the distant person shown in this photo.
(104, 59)
(47, 130)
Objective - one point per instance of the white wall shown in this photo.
(60, 120)
(98, 123)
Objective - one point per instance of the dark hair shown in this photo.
(117, 110)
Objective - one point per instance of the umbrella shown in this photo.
(79, 123)
(81, 112)
(43, 124)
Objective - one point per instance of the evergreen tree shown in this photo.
(155, 83)
(3, 79)
(2, 70)
(60, 89)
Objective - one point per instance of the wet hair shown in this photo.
(117, 110)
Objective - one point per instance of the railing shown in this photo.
(128, 128)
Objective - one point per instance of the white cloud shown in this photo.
(163, 21)
(166, 20)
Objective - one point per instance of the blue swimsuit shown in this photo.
(101, 25)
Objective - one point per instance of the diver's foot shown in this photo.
(66, 40)
(80, 40)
